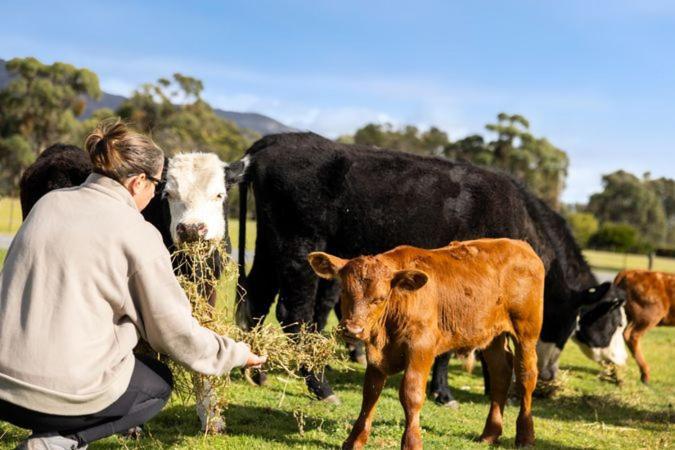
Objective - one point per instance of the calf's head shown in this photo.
(368, 283)
(599, 331)
(196, 190)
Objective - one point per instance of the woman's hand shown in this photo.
(254, 361)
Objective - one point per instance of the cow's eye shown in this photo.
(167, 195)
(219, 197)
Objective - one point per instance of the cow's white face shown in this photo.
(196, 191)
(614, 352)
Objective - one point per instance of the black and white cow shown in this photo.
(312, 194)
(191, 204)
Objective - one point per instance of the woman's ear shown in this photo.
(410, 280)
(325, 265)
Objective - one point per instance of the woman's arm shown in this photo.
(165, 320)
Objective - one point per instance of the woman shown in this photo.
(85, 276)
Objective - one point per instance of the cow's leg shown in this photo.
(412, 394)
(297, 294)
(486, 373)
(260, 289)
(327, 297)
(373, 383)
(526, 381)
(500, 366)
(440, 391)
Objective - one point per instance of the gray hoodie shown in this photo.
(85, 276)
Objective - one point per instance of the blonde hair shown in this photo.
(119, 153)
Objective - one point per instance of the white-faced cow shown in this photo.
(190, 205)
(312, 194)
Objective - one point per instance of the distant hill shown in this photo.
(259, 123)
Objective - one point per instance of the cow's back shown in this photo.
(474, 288)
(368, 201)
(648, 293)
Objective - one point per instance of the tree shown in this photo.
(664, 188)
(534, 161)
(625, 198)
(41, 102)
(176, 116)
(617, 237)
(583, 225)
(406, 139)
(15, 155)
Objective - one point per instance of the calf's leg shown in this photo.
(500, 366)
(632, 337)
(526, 381)
(373, 383)
(412, 394)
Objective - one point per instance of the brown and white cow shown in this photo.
(650, 301)
(409, 305)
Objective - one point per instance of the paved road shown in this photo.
(5, 240)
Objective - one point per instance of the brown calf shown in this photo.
(409, 305)
(650, 301)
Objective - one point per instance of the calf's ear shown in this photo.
(410, 280)
(236, 172)
(325, 265)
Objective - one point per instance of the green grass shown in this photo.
(589, 413)
(618, 261)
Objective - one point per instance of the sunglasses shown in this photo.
(159, 184)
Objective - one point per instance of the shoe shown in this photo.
(49, 441)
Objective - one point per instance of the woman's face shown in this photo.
(142, 188)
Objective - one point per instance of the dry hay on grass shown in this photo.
(286, 352)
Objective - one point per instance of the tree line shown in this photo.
(44, 104)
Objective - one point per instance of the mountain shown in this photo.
(256, 122)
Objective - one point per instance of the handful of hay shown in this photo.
(286, 352)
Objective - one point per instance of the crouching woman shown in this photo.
(83, 279)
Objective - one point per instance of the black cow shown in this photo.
(312, 194)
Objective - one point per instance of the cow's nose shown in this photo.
(191, 232)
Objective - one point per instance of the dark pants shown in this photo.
(148, 392)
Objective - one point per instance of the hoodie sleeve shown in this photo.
(165, 320)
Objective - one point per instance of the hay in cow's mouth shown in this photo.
(286, 352)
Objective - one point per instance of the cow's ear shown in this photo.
(410, 280)
(594, 294)
(325, 265)
(236, 172)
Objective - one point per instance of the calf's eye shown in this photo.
(219, 197)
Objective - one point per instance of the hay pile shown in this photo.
(286, 352)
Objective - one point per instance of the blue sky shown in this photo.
(596, 78)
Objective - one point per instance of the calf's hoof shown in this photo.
(488, 439)
(644, 378)
(443, 397)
